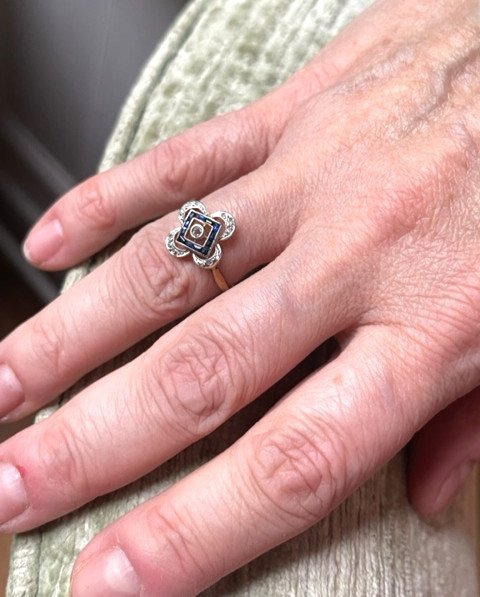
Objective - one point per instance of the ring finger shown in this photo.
(138, 290)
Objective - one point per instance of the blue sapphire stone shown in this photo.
(202, 249)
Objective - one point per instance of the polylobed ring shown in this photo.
(200, 234)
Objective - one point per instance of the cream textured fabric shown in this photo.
(218, 56)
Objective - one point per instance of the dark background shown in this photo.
(66, 67)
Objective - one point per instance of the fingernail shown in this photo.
(43, 242)
(11, 391)
(451, 486)
(13, 497)
(110, 574)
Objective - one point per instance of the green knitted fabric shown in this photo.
(218, 56)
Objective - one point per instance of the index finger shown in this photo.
(188, 165)
(191, 164)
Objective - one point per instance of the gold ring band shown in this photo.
(219, 279)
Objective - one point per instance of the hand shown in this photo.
(357, 183)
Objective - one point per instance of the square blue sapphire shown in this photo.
(198, 233)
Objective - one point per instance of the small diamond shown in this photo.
(196, 231)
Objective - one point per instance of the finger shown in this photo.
(140, 289)
(297, 463)
(195, 377)
(443, 454)
(191, 164)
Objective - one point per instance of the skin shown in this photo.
(356, 182)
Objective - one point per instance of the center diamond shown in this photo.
(198, 233)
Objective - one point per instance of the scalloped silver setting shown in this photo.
(185, 240)
(172, 246)
(228, 222)
(209, 262)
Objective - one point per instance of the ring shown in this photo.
(200, 235)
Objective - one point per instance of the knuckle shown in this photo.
(395, 209)
(206, 143)
(202, 380)
(324, 72)
(449, 328)
(46, 343)
(227, 131)
(172, 163)
(299, 471)
(60, 452)
(159, 288)
(93, 205)
(176, 535)
(410, 198)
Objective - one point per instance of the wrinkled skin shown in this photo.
(357, 183)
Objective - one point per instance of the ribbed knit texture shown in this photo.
(218, 56)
